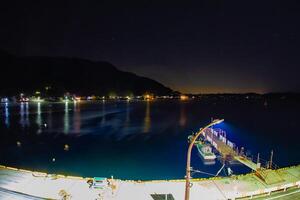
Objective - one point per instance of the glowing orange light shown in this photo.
(148, 97)
(77, 98)
(184, 97)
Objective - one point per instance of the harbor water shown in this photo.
(141, 140)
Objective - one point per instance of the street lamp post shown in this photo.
(189, 152)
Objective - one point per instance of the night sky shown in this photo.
(192, 46)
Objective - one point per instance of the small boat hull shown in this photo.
(205, 151)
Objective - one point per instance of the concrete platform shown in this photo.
(36, 185)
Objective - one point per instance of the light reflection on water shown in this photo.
(183, 118)
(103, 112)
(133, 139)
(6, 115)
(147, 119)
(127, 121)
(77, 119)
(39, 118)
(126, 125)
(38, 115)
(24, 114)
(27, 123)
(66, 118)
(42, 115)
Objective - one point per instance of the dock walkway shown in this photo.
(247, 162)
(226, 151)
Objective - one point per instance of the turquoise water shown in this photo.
(140, 140)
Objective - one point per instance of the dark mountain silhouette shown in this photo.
(79, 76)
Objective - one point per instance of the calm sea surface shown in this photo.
(141, 139)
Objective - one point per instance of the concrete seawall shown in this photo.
(53, 186)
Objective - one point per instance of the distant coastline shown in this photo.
(57, 76)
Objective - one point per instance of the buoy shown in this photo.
(19, 143)
(66, 147)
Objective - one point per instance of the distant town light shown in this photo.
(4, 100)
(66, 99)
(35, 99)
(184, 97)
(77, 98)
(47, 88)
(148, 97)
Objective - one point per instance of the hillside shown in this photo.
(79, 76)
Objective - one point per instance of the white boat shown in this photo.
(205, 150)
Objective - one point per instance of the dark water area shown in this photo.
(141, 139)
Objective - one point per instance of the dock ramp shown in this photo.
(247, 162)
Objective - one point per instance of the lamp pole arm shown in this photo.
(188, 160)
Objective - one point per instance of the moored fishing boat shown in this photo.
(205, 151)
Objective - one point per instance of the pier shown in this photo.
(229, 151)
